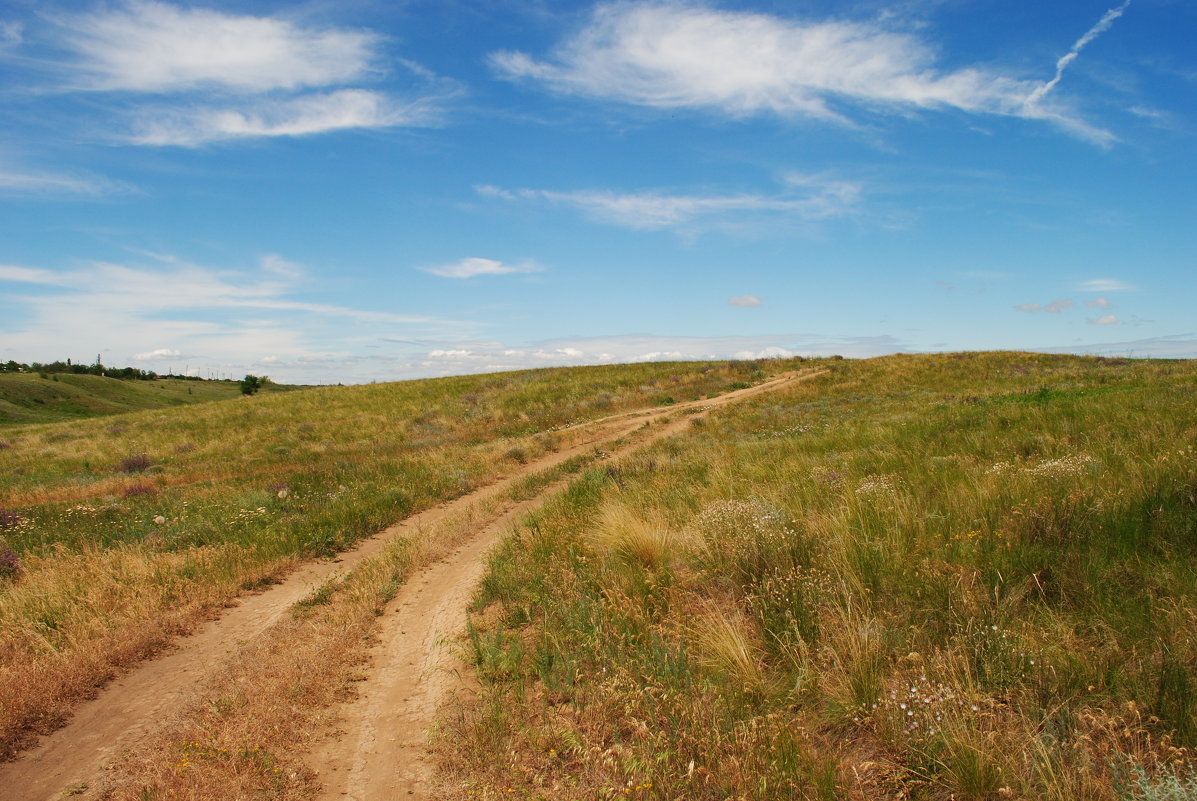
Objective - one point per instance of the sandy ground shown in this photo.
(378, 751)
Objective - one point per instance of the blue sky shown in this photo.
(356, 191)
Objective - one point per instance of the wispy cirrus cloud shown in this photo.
(25, 182)
(11, 34)
(475, 266)
(219, 77)
(30, 275)
(146, 46)
(1105, 285)
(665, 54)
(300, 116)
(804, 198)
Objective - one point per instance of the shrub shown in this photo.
(135, 463)
(252, 383)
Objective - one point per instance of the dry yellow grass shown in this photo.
(621, 531)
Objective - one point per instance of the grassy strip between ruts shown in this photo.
(119, 533)
(957, 576)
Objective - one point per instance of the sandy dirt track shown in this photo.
(381, 752)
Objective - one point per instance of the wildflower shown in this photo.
(159, 520)
(10, 564)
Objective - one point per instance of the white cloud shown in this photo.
(45, 183)
(277, 265)
(487, 357)
(157, 354)
(1098, 303)
(218, 319)
(146, 46)
(744, 301)
(30, 275)
(1105, 285)
(1175, 346)
(474, 266)
(805, 198)
(1108, 319)
(1055, 307)
(300, 116)
(667, 54)
(11, 34)
(224, 76)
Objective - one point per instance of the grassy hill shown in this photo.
(968, 576)
(29, 398)
(117, 531)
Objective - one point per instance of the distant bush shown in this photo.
(252, 383)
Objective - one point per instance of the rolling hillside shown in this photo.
(29, 398)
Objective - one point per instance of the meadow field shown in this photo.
(964, 576)
(118, 533)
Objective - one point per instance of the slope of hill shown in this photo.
(29, 398)
(967, 576)
(117, 532)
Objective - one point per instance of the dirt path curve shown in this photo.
(379, 752)
(134, 704)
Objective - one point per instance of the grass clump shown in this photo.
(919, 577)
(135, 463)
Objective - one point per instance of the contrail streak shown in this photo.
(1102, 25)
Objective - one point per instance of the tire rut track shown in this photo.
(380, 753)
(133, 705)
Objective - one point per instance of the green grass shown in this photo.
(964, 575)
(30, 398)
(128, 529)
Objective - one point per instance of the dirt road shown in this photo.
(381, 754)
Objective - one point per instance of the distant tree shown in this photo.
(251, 384)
